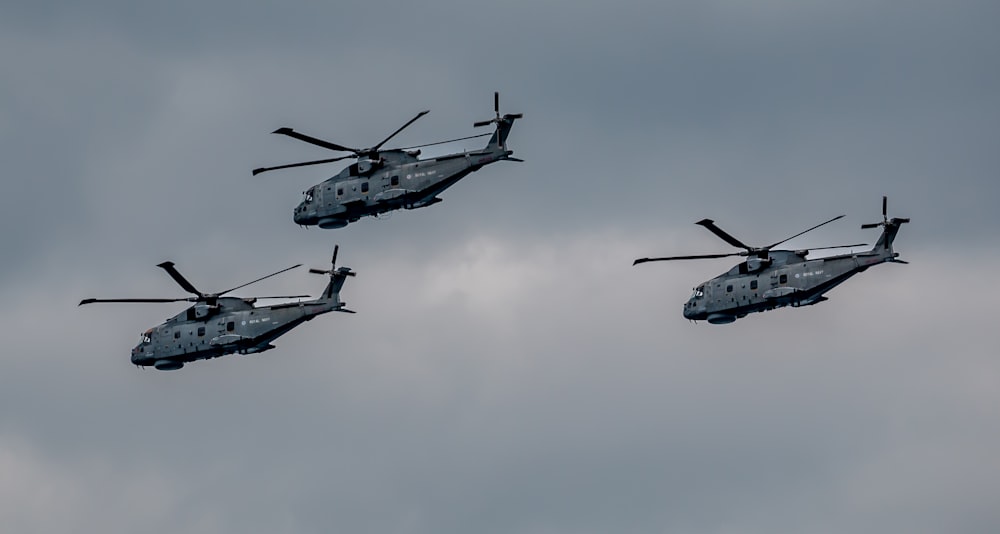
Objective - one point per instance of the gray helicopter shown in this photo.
(770, 279)
(385, 180)
(216, 325)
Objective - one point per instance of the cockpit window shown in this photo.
(698, 293)
(145, 337)
(309, 196)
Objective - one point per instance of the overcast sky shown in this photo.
(508, 370)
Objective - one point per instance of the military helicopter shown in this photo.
(770, 279)
(383, 180)
(216, 325)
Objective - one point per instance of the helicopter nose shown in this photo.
(302, 217)
(300, 211)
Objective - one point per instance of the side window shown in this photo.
(753, 284)
(230, 326)
(729, 288)
(340, 191)
(783, 279)
(364, 187)
(394, 180)
(201, 331)
(177, 334)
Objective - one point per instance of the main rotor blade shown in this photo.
(698, 257)
(870, 225)
(710, 224)
(257, 280)
(885, 205)
(401, 128)
(448, 141)
(169, 267)
(303, 164)
(769, 247)
(91, 301)
(281, 297)
(314, 141)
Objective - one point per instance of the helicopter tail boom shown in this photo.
(499, 139)
(337, 279)
(885, 240)
(890, 227)
(331, 295)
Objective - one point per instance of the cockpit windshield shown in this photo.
(145, 337)
(308, 196)
(698, 293)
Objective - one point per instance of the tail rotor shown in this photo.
(503, 124)
(885, 219)
(509, 117)
(333, 271)
(496, 109)
(333, 263)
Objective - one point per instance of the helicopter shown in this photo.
(383, 180)
(217, 325)
(770, 279)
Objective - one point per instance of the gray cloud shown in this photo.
(508, 370)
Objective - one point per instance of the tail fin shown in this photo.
(890, 227)
(337, 279)
(504, 123)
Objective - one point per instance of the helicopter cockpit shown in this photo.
(694, 308)
(145, 341)
(698, 293)
(300, 215)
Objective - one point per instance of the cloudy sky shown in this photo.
(508, 370)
